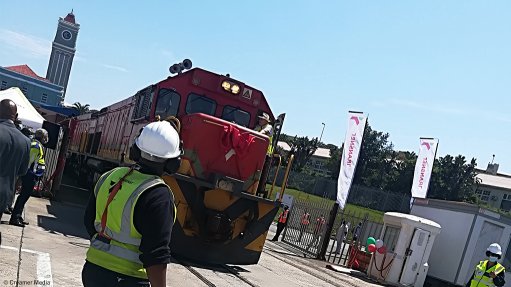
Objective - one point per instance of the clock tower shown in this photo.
(63, 51)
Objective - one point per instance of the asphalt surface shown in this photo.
(50, 251)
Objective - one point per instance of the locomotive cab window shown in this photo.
(200, 104)
(167, 103)
(236, 115)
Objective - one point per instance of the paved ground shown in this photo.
(51, 251)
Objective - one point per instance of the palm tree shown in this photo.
(82, 109)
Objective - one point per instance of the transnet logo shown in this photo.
(424, 164)
(357, 119)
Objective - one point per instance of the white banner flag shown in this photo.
(350, 152)
(424, 167)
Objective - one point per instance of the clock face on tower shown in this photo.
(67, 35)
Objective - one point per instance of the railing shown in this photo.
(350, 228)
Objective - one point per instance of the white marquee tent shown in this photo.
(27, 114)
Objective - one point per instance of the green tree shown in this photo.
(82, 109)
(402, 172)
(453, 179)
(334, 162)
(302, 148)
(375, 159)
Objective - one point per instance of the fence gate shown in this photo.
(351, 229)
(306, 226)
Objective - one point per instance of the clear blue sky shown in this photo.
(430, 68)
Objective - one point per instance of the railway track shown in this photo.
(216, 275)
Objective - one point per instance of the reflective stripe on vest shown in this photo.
(480, 280)
(36, 164)
(125, 231)
(118, 249)
(115, 250)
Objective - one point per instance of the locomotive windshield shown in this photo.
(167, 103)
(200, 104)
(236, 115)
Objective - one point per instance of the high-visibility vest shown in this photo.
(269, 151)
(283, 216)
(305, 219)
(319, 224)
(36, 163)
(480, 279)
(117, 248)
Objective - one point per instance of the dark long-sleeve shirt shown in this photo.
(153, 218)
(14, 158)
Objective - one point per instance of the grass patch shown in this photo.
(374, 215)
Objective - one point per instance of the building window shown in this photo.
(44, 98)
(3, 86)
(484, 195)
(390, 237)
(506, 202)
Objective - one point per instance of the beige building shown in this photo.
(318, 161)
(494, 188)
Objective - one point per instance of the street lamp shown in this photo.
(322, 132)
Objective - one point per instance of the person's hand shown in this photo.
(493, 275)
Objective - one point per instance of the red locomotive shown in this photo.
(221, 217)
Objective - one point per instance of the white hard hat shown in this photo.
(158, 142)
(495, 249)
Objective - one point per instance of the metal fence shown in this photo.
(306, 226)
(351, 229)
(379, 199)
(372, 198)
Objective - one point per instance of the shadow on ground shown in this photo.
(220, 268)
(68, 209)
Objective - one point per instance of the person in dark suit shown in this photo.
(14, 153)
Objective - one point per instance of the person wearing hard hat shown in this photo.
(489, 272)
(28, 181)
(131, 213)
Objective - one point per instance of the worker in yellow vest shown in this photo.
(131, 214)
(265, 128)
(489, 273)
(35, 172)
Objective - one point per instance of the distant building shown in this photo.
(318, 161)
(494, 188)
(63, 51)
(52, 89)
(37, 89)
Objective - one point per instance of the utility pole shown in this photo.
(321, 136)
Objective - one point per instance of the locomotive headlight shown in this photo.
(226, 85)
(235, 89)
